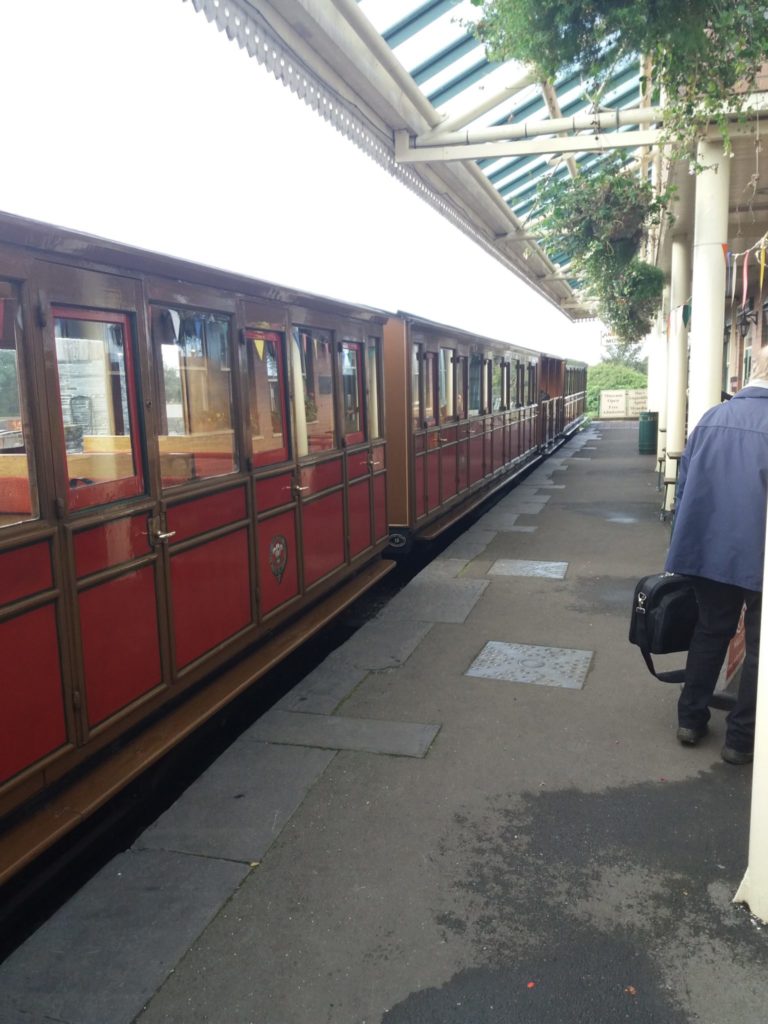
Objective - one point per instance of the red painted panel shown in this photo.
(476, 459)
(121, 646)
(420, 442)
(448, 471)
(463, 465)
(273, 492)
(433, 480)
(380, 523)
(199, 515)
(31, 701)
(323, 536)
(25, 571)
(359, 505)
(321, 476)
(277, 560)
(421, 486)
(358, 464)
(210, 590)
(111, 543)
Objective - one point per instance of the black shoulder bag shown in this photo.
(664, 615)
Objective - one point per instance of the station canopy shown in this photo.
(410, 83)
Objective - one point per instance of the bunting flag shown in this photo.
(734, 275)
(744, 276)
(686, 314)
(762, 262)
(727, 258)
(259, 343)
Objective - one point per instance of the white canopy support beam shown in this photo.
(490, 103)
(596, 123)
(405, 154)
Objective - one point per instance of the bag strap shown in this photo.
(677, 675)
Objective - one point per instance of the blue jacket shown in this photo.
(722, 494)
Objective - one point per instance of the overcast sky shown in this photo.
(138, 121)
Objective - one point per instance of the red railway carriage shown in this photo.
(466, 414)
(195, 476)
(188, 459)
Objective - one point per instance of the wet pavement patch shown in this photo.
(531, 663)
(595, 908)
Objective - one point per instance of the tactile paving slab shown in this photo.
(522, 567)
(529, 663)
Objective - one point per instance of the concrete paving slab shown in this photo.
(403, 739)
(238, 807)
(465, 548)
(522, 529)
(383, 643)
(325, 687)
(500, 520)
(530, 663)
(524, 567)
(435, 599)
(102, 956)
(444, 568)
(514, 509)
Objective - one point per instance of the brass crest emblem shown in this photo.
(278, 556)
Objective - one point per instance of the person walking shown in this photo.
(719, 540)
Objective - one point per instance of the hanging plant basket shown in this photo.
(597, 221)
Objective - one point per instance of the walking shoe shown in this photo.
(690, 737)
(732, 756)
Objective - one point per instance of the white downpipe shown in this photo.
(754, 886)
(708, 284)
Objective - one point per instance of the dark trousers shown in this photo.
(719, 609)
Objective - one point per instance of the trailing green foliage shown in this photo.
(702, 51)
(597, 222)
(610, 377)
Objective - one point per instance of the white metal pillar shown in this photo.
(657, 376)
(754, 886)
(677, 363)
(710, 233)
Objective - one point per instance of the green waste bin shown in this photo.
(649, 428)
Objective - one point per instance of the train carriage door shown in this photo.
(108, 516)
(207, 528)
(365, 452)
(272, 470)
(37, 719)
(320, 474)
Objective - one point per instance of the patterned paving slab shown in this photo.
(522, 567)
(529, 663)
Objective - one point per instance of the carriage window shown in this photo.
(313, 366)
(430, 385)
(519, 394)
(352, 391)
(196, 435)
(372, 387)
(416, 360)
(98, 406)
(461, 387)
(266, 393)
(497, 384)
(18, 496)
(475, 385)
(446, 384)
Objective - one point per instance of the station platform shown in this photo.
(474, 811)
